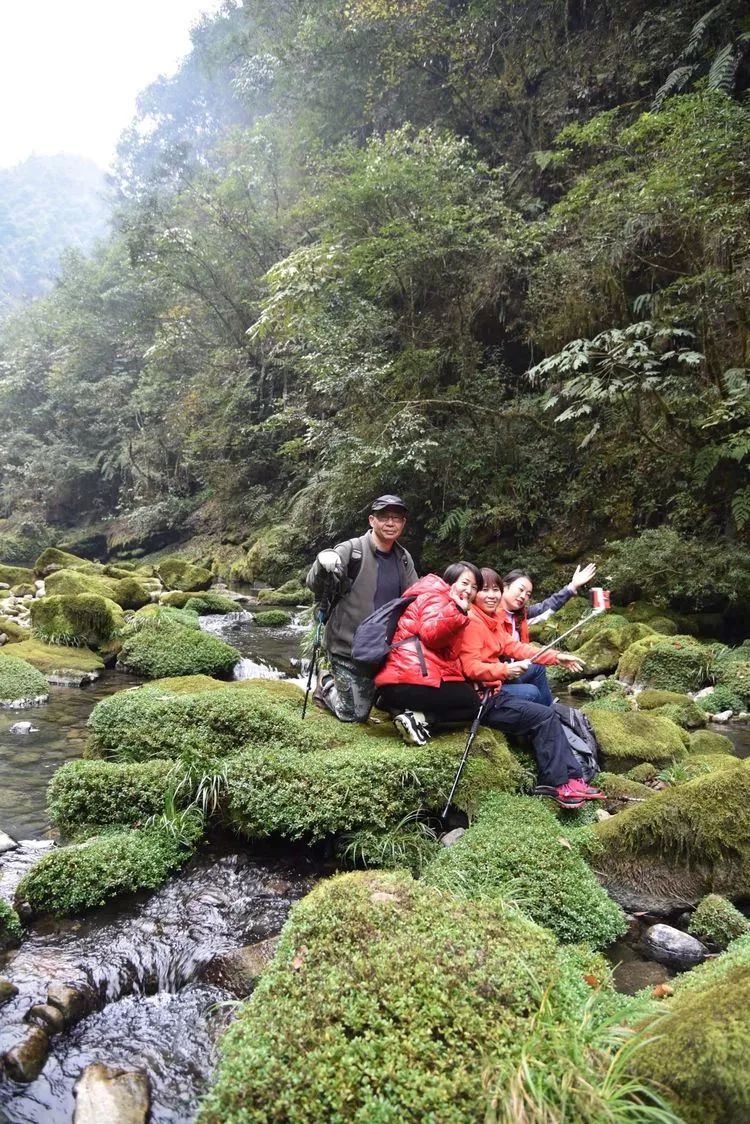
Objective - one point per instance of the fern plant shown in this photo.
(723, 67)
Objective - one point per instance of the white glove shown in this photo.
(331, 562)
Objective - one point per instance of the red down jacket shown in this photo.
(438, 622)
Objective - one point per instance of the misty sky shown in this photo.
(70, 70)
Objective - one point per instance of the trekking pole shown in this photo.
(483, 707)
(314, 657)
(600, 598)
(328, 603)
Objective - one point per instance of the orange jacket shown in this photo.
(484, 641)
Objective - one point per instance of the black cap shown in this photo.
(382, 502)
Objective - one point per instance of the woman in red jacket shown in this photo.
(484, 649)
(421, 679)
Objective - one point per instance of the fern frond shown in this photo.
(675, 82)
(699, 29)
(723, 69)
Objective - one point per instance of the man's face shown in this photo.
(388, 523)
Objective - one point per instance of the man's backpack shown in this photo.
(373, 639)
(581, 738)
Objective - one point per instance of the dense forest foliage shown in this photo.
(491, 256)
(48, 205)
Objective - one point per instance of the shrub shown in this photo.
(83, 794)
(10, 926)
(83, 618)
(385, 1001)
(410, 843)
(721, 699)
(717, 922)
(80, 877)
(627, 739)
(513, 852)
(272, 618)
(163, 648)
(176, 573)
(19, 680)
(212, 603)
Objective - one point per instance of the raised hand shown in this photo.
(583, 575)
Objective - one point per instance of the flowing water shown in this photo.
(141, 960)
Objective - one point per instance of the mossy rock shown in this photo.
(10, 927)
(14, 631)
(702, 763)
(53, 559)
(16, 575)
(20, 682)
(597, 626)
(83, 876)
(602, 653)
(717, 922)
(27, 589)
(272, 618)
(734, 676)
(178, 599)
(643, 773)
(512, 851)
(212, 603)
(627, 739)
(176, 573)
(697, 1047)
(686, 841)
(720, 699)
(274, 556)
(677, 663)
(621, 704)
(388, 1001)
(679, 708)
(164, 649)
(665, 625)
(83, 618)
(84, 796)
(130, 593)
(630, 662)
(297, 595)
(706, 741)
(643, 612)
(619, 787)
(52, 658)
(74, 582)
(186, 617)
(650, 699)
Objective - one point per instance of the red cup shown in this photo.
(599, 599)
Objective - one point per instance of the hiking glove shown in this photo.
(331, 563)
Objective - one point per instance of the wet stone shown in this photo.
(632, 975)
(48, 1017)
(111, 1096)
(6, 843)
(25, 1061)
(673, 947)
(7, 991)
(73, 1002)
(24, 728)
(239, 970)
(452, 837)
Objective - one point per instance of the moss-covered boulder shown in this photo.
(274, 556)
(86, 795)
(632, 658)
(20, 683)
(597, 626)
(676, 663)
(10, 926)
(627, 739)
(291, 593)
(514, 851)
(717, 922)
(618, 786)
(670, 704)
(685, 842)
(601, 654)
(53, 659)
(163, 648)
(82, 876)
(72, 583)
(186, 617)
(272, 618)
(734, 677)
(697, 1047)
(14, 632)
(176, 573)
(387, 1001)
(209, 602)
(16, 575)
(53, 559)
(720, 700)
(130, 593)
(706, 741)
(82, 618)
(643, 773)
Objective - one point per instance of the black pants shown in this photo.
(514, 715)
(450, 702)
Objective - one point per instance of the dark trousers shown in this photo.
(514, 715)
(450, 702)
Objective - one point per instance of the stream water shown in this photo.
(142, 959)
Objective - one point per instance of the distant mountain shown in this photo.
(47, 204)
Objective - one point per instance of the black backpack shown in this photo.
(581, 738)
(373, 639)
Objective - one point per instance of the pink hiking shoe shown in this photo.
(586, 790)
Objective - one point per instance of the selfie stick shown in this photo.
(600, 602)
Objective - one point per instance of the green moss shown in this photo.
(274, 556)
(176, 573)
(83, 618)
(186, 617)
(513, 851)
(162, 649)
(644, 612)
(706, 741)
(734, 676)
(272, 618)
(19, 680)
(693, 838)
(632, 658)
(720, 700)
(619, 787)
(627, 739)
(14, 631)
(178, 599)
(190, 684)
(685, 714)
(664, 625)
(296, 595)
(130, 593)
(75, 582)
(710, 763)
(70, 880)
(617, 703)
(10, 926)
(408, 844)
(212, 603)
(85, 793)
(717, 922)
(386, 1001)
(53, 559)
(677, 663)
(50, 658)
(596, 627)
(602, 653)
(23, 590)
(14, 575)
(643, 773)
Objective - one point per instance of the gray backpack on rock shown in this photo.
(581, 738)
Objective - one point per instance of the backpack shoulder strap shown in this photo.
(355, 560)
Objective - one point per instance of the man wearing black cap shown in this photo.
(364, 572)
